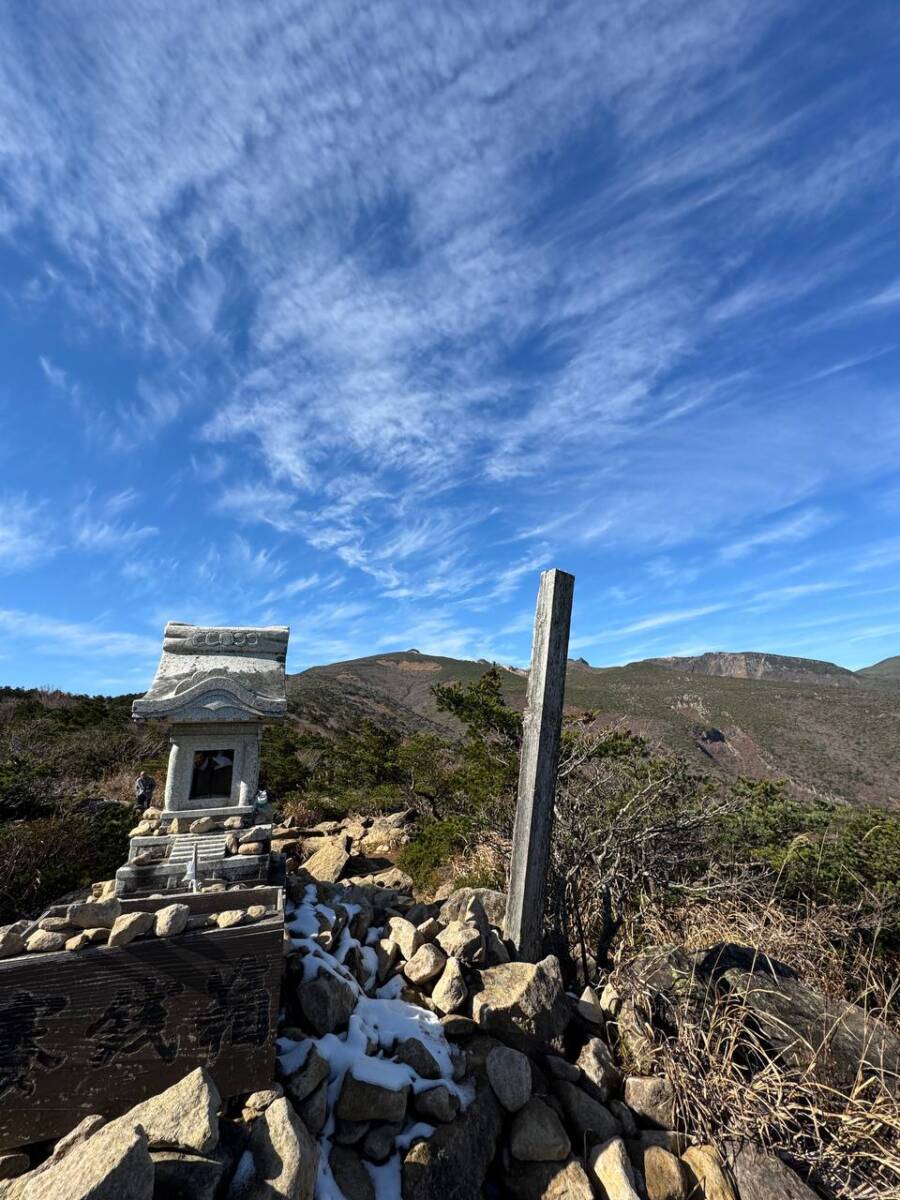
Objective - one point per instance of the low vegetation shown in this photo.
(648, 851)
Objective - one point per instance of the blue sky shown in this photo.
(356, 317)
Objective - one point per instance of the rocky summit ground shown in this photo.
(417, 1060)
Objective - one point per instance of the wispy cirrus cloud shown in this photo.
(27, 535)
(378, 296)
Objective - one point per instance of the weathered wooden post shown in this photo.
(524, 924)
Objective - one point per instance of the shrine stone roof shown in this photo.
(217, 674)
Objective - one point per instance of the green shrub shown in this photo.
(435, 844)
(44, 859)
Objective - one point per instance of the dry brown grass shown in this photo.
(729, 1087)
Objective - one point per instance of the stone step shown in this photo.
(209, 846)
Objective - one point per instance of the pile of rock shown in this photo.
(103, 922)
(356, 847)
(172, 1146)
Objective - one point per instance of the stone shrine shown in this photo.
(214, 687)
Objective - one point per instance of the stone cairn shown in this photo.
(415, 1059)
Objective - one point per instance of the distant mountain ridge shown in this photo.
(826, 730)
(888, 668)
(751, 664)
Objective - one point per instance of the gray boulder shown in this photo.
(652, 1099)
(450, 991)
(493, 903)
(437, 1104)
(523, 1004)
(762, 1176)
(285, 1156)
(329, 859)
(453, 1162)
(362, 1101)
(509, 1074)
(583, 1113)
(602, 1076)
(537, 1134)
(327, 1002)
(113, 1164)
(183, 1117)
(350, 1175)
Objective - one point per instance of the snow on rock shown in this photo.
(363, 1043)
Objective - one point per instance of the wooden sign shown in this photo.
(542, 727)
(98, 1030)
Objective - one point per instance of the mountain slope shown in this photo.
(827, 736)
(887, 669)
(780, 668)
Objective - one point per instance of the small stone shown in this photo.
(88, 937)
(430, 928)
(426, 964)
(43, 941)
(509, 1074)
(348, 1133)
(12, 938)
(609, 1166)
(350, 1175)
(55, 925)
(327, 1003)
(233, 823)
(601, 1073)
(610, 1000)
(387, 952)
(664, 1175)
(171, 920)
(497, 952)
(652, 1098)
(413, 1053)
(256, 912)
(436, 1104)
(405, 934)
(258, 1101)
(314, 1109)
(706, 1175)
(537, 1134)
(378, 1144)
(203, 825)
(584, 1113)
(329, 860)
(456, 1026)
(252, 848)
(362, 1101)
(450, 991)
(461, 941)
(305, 1081)
(230, 918)
(588, 1007)
(129, 926)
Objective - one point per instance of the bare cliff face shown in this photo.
(779, 668)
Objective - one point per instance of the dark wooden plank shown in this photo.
(98, 1030)
(524, 924)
